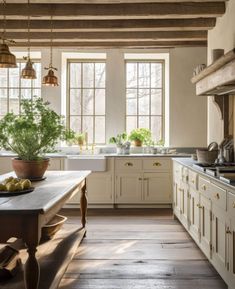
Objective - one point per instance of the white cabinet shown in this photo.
(143, 180)
(194, 214)
(5, 165)
(128, 188)
(99, 188)
(157, 188)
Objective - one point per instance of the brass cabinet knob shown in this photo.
(186, 178)
(145, 179)
(199, 206)
(129, 164)
(233, 205)
(140, 179)
(228, 231)
(192, 181)
(157, 164)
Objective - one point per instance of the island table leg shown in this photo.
(83, 205)
(32, 269)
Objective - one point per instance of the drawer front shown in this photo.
(218, 196)
(231, 204)
(204, 187)
(128, 164)
(157, 164)
(193, 179)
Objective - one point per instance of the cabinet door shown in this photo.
(128, 189)
(176, 198)
(56, 164)
(99, 188)
(205, 225)
(157, 188)
(184, 204)
(219, 228)
(5, 165)
(194, 214)
(231, 252)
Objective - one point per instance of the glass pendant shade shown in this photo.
(50, 79)
(7, 59)
(28, 72)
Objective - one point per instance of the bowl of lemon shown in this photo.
(15, 186)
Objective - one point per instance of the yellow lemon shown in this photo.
(26, 184)
(2, 187)
(10, 187)
(18, 186)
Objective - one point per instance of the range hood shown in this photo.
(218, 78)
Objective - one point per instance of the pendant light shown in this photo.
(50, 79)
(28, 72)
(7, 59)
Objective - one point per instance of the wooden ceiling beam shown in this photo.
(112, 25)
(112, 36)
(130, 44)
(119, 11)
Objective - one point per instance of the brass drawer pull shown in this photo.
(157, 164)
(203, 187)
(140, 179)
(233, 205)
(129, 164)
(145, 179)
(199, 206)
(217, 196)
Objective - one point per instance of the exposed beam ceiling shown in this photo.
(114, 23)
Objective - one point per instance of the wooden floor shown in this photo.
(138, 249)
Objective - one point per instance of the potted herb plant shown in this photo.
(31, 135)
(123, 146)
(140, 136)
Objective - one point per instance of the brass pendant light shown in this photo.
(50, 79)
(7, 59)
(28, 72)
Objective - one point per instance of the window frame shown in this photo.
(145, 60)
(19, 88)
(68, 115)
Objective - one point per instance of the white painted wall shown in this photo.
(185, 113)
(222, 36)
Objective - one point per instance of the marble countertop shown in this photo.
(188, 162)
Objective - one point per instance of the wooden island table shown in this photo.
(23, 216)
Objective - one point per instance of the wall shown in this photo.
(222, 36)
(185, 113)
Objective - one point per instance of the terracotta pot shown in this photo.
(138, 143)
(30, 169)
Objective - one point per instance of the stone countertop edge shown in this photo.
(188, 162)
(58, 155)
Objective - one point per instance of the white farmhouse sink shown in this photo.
(93, 163)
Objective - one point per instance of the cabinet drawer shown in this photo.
(204, 187)
(231, 204)
(128, 164)
(193, 179)
(218, 196)
(157, 164)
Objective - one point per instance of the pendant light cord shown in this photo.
(50, 65)
(28, 27)
(4, 20)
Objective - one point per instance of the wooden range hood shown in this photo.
(218, 80)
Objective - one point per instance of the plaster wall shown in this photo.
(222, 36)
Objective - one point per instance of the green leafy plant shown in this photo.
(33, 133)
(142, 135)
(160, 143)
(79, 138)
(119, 140)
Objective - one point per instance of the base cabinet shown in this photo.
(211, 218)
(128, 189)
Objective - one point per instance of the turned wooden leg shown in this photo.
(32, 269)
(83, 205)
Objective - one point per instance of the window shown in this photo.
(145, 96)
(13, 88)
(86, 103)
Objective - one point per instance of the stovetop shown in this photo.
(216, 170)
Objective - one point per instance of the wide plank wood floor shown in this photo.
(137, 249)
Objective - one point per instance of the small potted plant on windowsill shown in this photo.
(140, 136)
(123, 146)
(31, 135)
